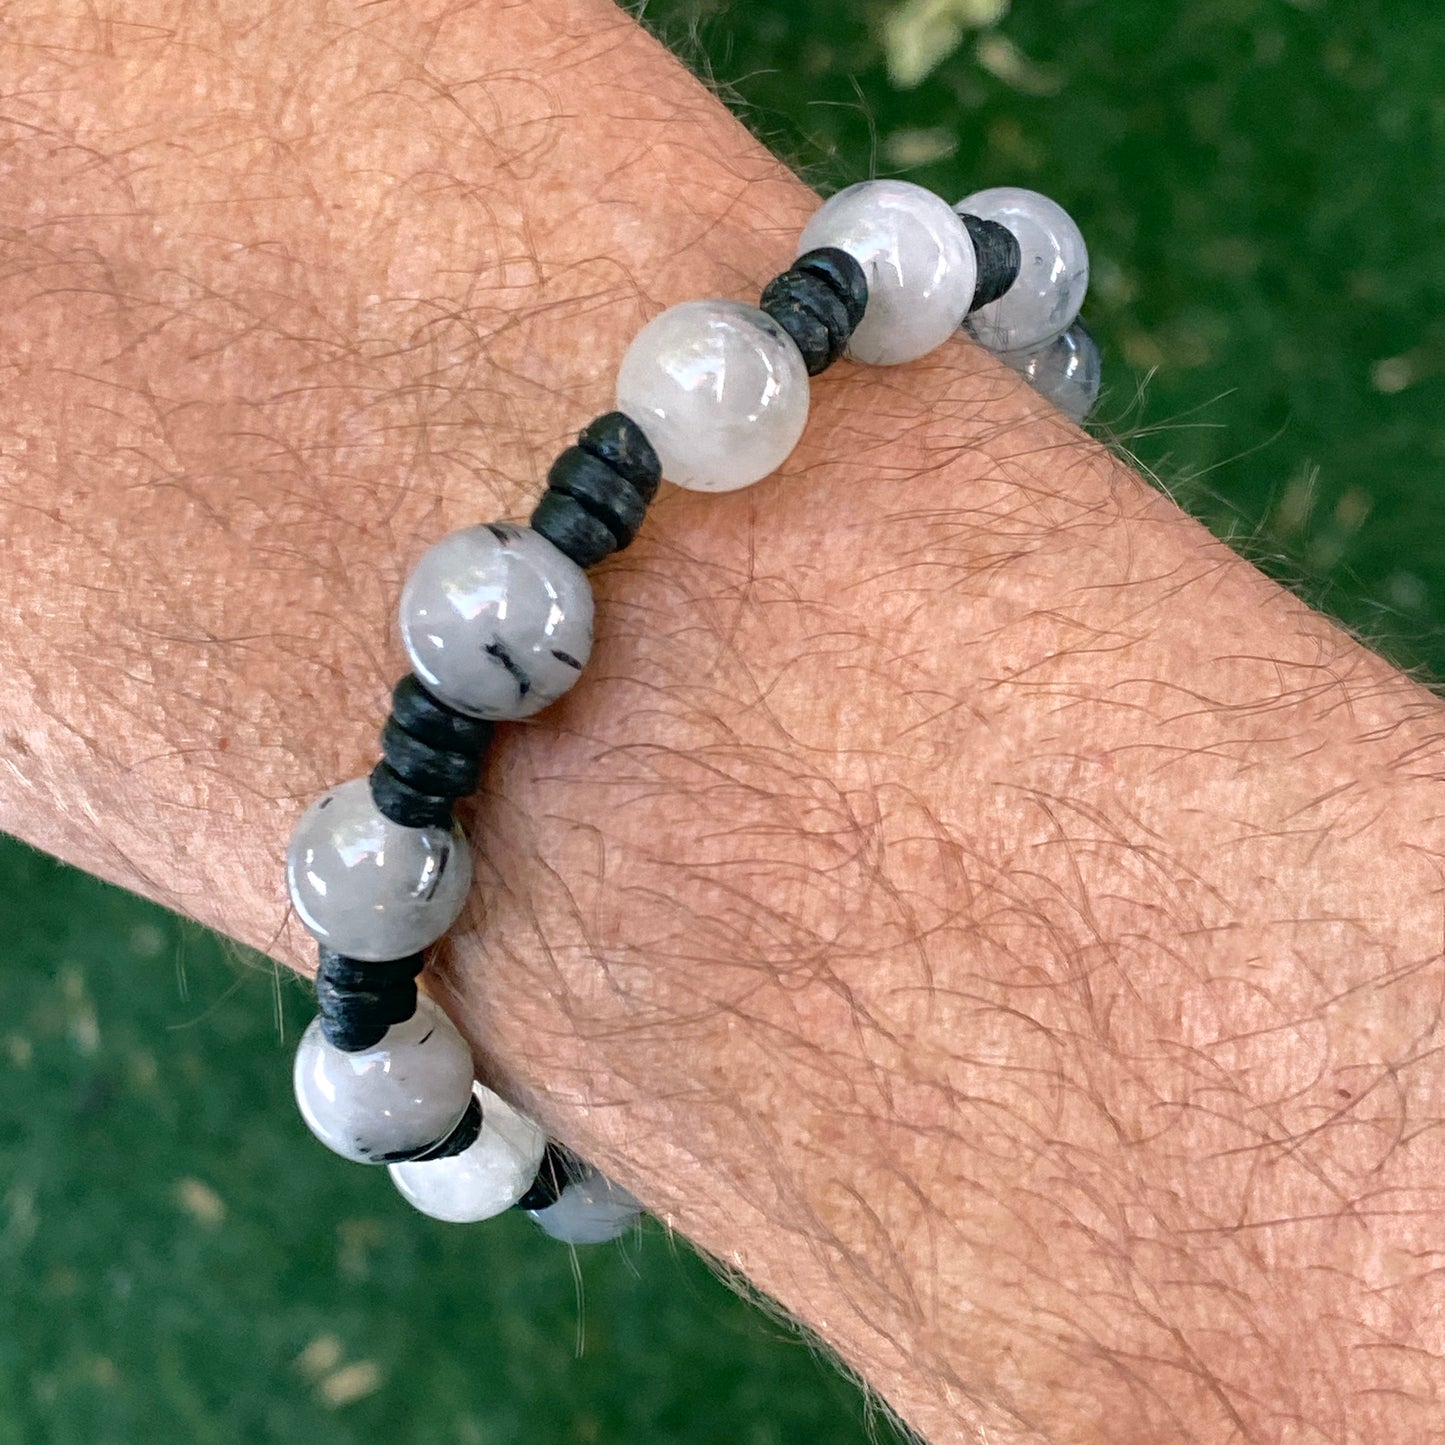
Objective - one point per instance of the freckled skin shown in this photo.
(958, 892)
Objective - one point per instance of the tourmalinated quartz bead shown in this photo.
(486, 1178)
(1068, 371)
(496, 621)
(398, 1097)
(1053, 270)
(370, 888)
(720, 390)
(917, 259)
(590, 1210)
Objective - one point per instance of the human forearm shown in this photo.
(959, 891)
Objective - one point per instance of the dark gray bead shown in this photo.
(845, 278)
(601, 490)
(616, 439)
(429, 769)
(812, 313)
(405, 805)
(430, 719)
(572, 529)
(359, 999)
(999, 258)
(559, 1167)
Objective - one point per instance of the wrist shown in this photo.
(917, 800)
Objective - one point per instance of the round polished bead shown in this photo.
(1068, 371)
(370, 888)
(590, 1210)
(918, 261)
(496, 621)
(403, 1094)
(487, 1177)
(1053, 270)
(720, 390)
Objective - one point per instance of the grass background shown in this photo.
(1262, 183)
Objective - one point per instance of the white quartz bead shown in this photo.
(918, 258)
(1053, 271)
(369, 888)
(591, 1210)
(487, 1177)
(406, 1092)
(721, 391)
(1068, 371)
(497, 622)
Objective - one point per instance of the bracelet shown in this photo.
(496, 620)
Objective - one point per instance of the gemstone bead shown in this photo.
(370, 888)
(1053, 270)
(496, 621)
(1068, 371)
(401, 1095)
(918, 261)
(487, 1177)
(720, 390)
(590, 1210)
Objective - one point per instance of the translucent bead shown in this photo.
(721, 391)
(1053, 273)
(918, 259)
(369, 888)
(405, 1093)
(1068, 371)
(487, 1177)
(589, 1211)
(497, 622)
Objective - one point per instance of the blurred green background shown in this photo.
(1262, 184)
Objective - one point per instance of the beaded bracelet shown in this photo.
(497, 623)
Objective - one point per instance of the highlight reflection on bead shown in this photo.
(404, 1093)
(370, 888)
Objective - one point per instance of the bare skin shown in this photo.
(960, 894)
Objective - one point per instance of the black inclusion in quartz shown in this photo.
(999, 259)
(818, 301)
(359, 1000)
